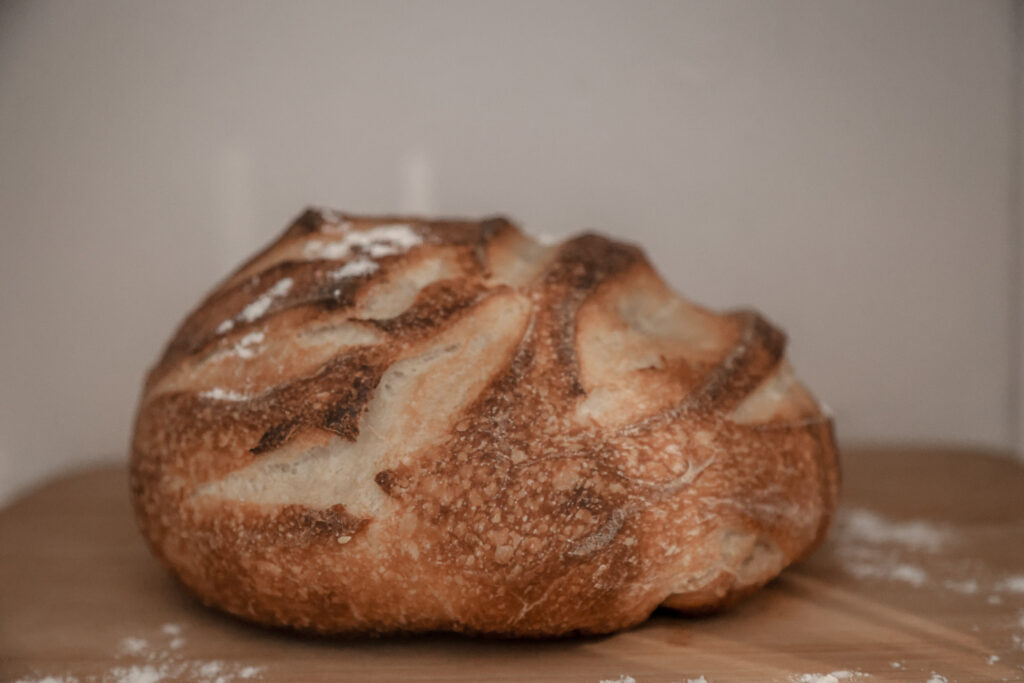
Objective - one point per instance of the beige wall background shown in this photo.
(850, 168)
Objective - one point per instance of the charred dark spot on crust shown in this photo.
(286, 525)
(386, 479)
(584, 498)
(343, 416)
(331, 521)
(334, 296)
(297, 525)
(309, 221)
(275, 436)
(349, 381)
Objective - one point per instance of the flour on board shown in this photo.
(1012, 584)
(870, 527)
(151, 663)
(872, 547)
(132, 646)
(833, 677)
(966, 586)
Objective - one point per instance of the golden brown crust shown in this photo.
(383, 425)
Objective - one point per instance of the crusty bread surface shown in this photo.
(391, 425)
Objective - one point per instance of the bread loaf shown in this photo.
(385, 425)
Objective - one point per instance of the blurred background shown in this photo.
(852, 169)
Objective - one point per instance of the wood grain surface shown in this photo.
(921, 579)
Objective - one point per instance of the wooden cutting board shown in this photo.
(921, 579)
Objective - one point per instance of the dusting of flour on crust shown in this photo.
(332, 220)
(257, 308)
(357, 268)
(260, 306)
(218, 394)
(244, 347)
(377, 242)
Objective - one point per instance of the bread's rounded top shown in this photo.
(531, 404)
(335, 289)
